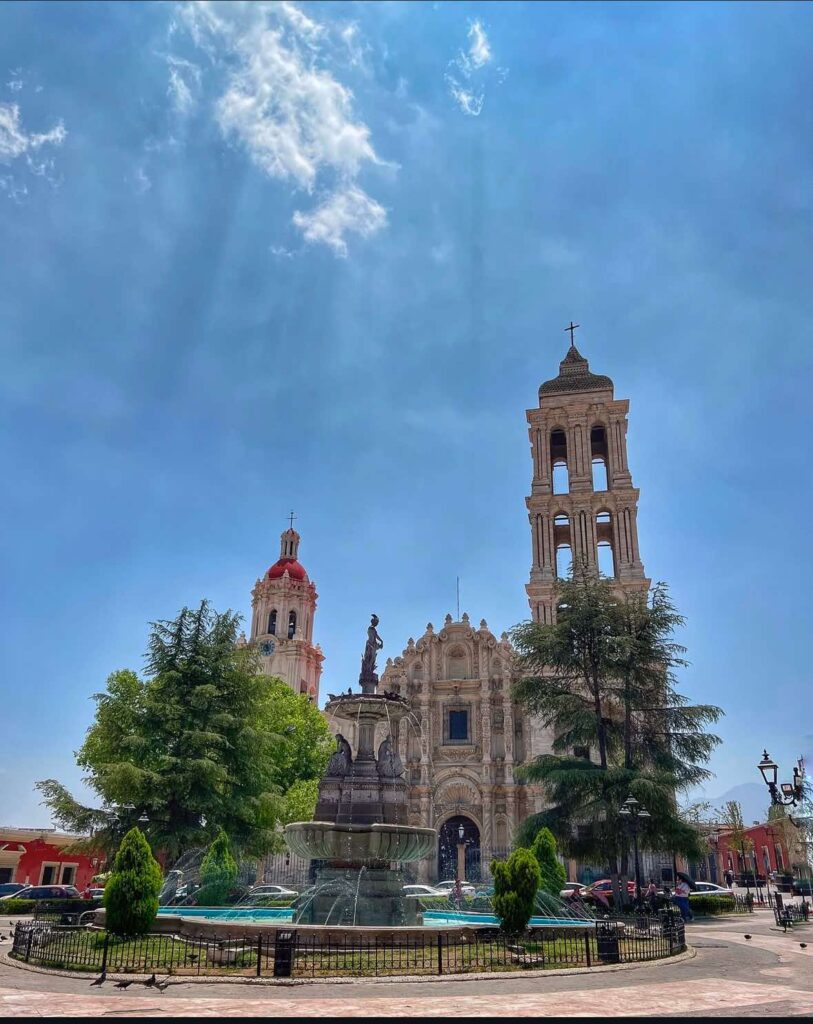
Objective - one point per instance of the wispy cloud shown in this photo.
(344, 211)
(16, 82)
(19, 147)
(467, 75)
(184, 84)
(281, 102)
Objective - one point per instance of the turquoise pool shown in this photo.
(283, 914)
(446, 918)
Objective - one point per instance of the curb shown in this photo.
(562, 972)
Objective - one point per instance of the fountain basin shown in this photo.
(359, 844)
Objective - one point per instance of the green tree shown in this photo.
(516, 882)
(131, 895)
(603, 679)
(218, 871)
(737, 835)
(203, 743)
(552, 873)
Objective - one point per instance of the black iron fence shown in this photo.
(298, 954)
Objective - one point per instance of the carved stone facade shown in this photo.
(283, 607)
(462, 740)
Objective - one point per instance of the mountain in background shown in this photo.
(752, 797)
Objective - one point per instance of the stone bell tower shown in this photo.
(583, 507)
(283, 608)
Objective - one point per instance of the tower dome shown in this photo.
(287, 561)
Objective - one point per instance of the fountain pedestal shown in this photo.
(360, 828)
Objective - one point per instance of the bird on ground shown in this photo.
(149, 982)
(803, 945)
(162, 985)
(749, 936)
(123, 984)
(100, 980)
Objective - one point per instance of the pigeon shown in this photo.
(100, 980)
(149, 982)
(803, 945)
(123, 984)
(161, 985)
(748, 936)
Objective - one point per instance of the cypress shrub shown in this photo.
(218, 872)
(516, 881)
(131, 895)
(551, 870)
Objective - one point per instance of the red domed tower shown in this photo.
(283, 606)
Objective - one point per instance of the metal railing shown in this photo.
(291, 953)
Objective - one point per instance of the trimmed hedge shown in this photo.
(709, 906)
(14, 906)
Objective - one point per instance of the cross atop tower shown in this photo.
(291, 517)
(572, 327)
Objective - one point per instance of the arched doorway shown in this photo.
(448, 839)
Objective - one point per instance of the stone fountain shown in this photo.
(360, 830)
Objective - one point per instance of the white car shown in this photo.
(449, 887)
(710, 889)
(422, 890)
(572, 889)
(272, 891)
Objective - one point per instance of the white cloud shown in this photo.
(184, 84)
(12, 189)
(143, 182)
(282, 104)
(281, 252)
(343, 211)
(467, 74)
(15, 142)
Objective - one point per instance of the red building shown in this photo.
(42, 856)
(768, 850)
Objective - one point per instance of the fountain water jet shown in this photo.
(360, 827)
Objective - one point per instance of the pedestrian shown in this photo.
(681, 899)
(729, 878)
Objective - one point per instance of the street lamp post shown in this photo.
(786, 794)
(460, 867)
(633, 812)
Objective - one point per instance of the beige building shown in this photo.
(283, 607)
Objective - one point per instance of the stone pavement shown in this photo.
(769, 975)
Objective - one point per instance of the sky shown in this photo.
(320, 257)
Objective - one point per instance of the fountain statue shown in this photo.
(360, 829)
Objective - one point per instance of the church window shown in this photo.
(558, 459)
(303, 686)
(564, 561)
(599, 456)
(272, 622)
(291, 625)
(458, 726)
(605, 553)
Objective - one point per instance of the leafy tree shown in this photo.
(203, 743)
(218, 871)
(602, 678)
(516, 882)
(131, 895)
(552, 874)
(736, 833)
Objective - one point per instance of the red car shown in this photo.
(601, 892)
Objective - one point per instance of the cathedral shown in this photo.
(465, 736)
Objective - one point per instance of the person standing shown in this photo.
(681, 899)
(729, 878)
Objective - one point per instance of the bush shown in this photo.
(218, 872)
(15, 906)
(131, 895)
(552, 872)
(708, 906)
(516, 882)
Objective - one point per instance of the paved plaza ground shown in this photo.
(768, 976)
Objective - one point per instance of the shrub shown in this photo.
(707, 906)
(552, 873)
(516, 882)
(15, 906)
(218, 872)
(131, 895)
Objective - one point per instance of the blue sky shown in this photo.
(321, 256)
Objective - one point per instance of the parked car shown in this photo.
(572, 889)
(600, 893)
(422, 890)
(803, 887)
(92, 893)
(449, 887)
(11, 888)
(271, 892)
(45, 892)
(710, 889)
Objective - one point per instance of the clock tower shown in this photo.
(283, 606)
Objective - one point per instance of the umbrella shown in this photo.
(687, 879)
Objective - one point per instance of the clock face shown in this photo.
(267, 647)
